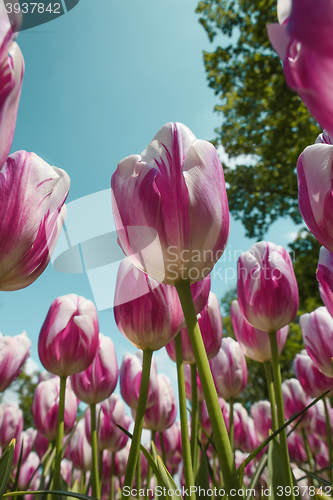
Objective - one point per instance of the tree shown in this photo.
(262, 117)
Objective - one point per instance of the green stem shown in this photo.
(271, 395)
(221, 438)
(194, 421)
(95, 486)
(112, 477)
(231, 423)
(307, 449)
(186, 447)
(162, 447)
(280, 410)
(60, 435)
(138, 475)
(329, 441)
(140, 415)
(153, 434)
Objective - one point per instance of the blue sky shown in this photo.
(99, 83)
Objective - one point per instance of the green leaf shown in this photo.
(202, 479)
(75, 488)
(276, 474)
(6, 461)
(18, 469)
(240, 471)
(50, 492)
(257, 474)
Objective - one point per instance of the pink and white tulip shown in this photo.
(312, 380)
(34, 192)
(200, 293)
(210, 324)
(26, 442)
(172, 441)
(14, 351)
(69, 338)
(11, 423)
(153, 317)
(254, 343)
(296, 448)
(170, 202)
(27, 470)
(80, 449)
(262, 417)
(130, 380)
(266, 287)
(294, 401)
(320, 428)
(99, 380)
(317, 331)
(41, 444)
(45, 408)
(325, 278)
(229, 369)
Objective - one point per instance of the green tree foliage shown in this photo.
(261, 116)
(25, 386)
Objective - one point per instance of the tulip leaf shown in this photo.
(256, 476)
(6, 461)
(240, 471)
(313, 475)
(18, 469)
(276, 474)
(72, 494)
(202, 479)
(76, 487)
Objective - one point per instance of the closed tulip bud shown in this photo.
(66, 470)
(296, 448)
(27, 470)
(200, 292)
(69, 338)
(320, 428)
(11, 423)
(241, 424)
(229, 369)
(154, 317)
(254, 343)
(252, 439)
(120, 460)
(188, 385)
(312, 380)
(13, 353)
(98, 381)
(25, 443)
(210, 324)
(176, 189)
(325, 278)
(45, 408)
(171, 439)
(266, 287)
(262, 417)
(41, 444)
(314, 444)
(322, 457)
(317, 331)
(80, 449)
(130, 380)
(294, 401)
(34, 192)
(205, 419)
(239, 459)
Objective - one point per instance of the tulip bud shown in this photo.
(130, 380)
(312, 380)
(262, 417)
(205, 419)
(25, 442)
(98, 381)
(188, 385)
(296, 448)
(80, 449)
(241, 427)
(45, 408)
(151, 319)
(175, 189)
(11, 423)
(200, 293)
(322, 457)
(266, 287)
(210, 324)
(14, 351)
(320, 428)
(294, 401)
(68, 340)
(171, 440)
(229, 369)
(317, 331)
(28, 468)
(41, 445)
(254, 343)
(325, 278)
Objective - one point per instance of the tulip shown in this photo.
(210, 323)
(151, 320)
(314, 444)
(69, 338)
(252, 439)
(188, 385)
(262, 417)
(241, 423)
(320, 427)
(120, 462)
(239, 459)
(130, 380)
(296, 448)
(25, 442)
(45, 408)
(80, 449)
(322, 457)
(14, 351)
(205, 420)
(27, 470)
(312, 380)
(266, 287)
(294, 401)
(229, 369)
(325, 278)
(41, 444)
(34, 192)
(200, 293)
(171, 440)
(11, 423)
(302, 40)
(254, 343)
(176, 188)
(98, 381)
(317, 331)
(66, 470)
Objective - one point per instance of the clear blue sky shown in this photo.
(99, 83)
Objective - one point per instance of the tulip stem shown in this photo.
(307, 449)
(60, 435)
(221, 438)
(329, 440)
(186, 447)
(194, 421)
(153, 434)
(112, 495)
(271, 395)
(231, 423)
(94, 453)
(138, 475)
(280, 410)
(162, 447)
(140, 415)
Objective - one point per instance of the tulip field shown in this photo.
(170, 209)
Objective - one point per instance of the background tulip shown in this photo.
(262, 417)
(27, 470)
(69, 338)
(26, 442)
(312, 380)
(325, 278)
(152, 319)
(210, 324)
(98, 381)
(254, 343)
(13, 353)
(317, 331)
(176, 187)
(11, 423)
(229, 369)
(171, 440)
(41, 444)
(296, 448)
(80, 449)
(130, 380)
(266, 287)
(34, 192)
(200, 293)
(294, 401)
(320, 428)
